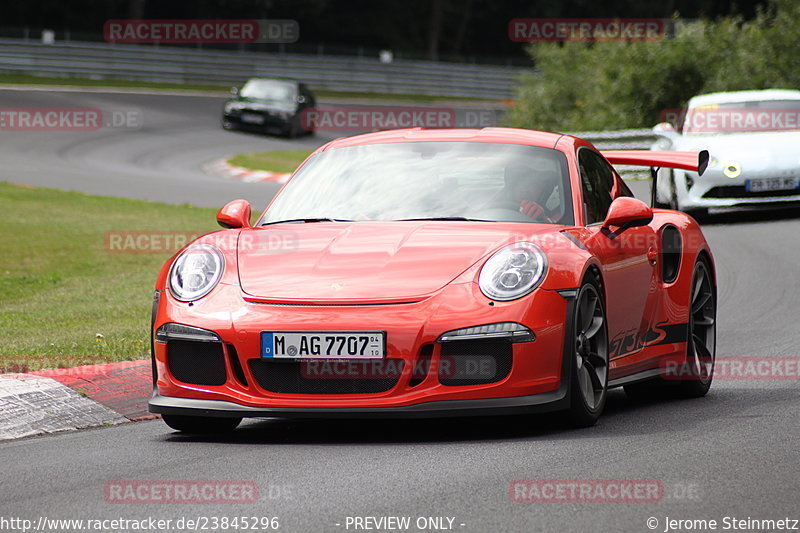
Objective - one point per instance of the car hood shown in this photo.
(366, 261)
(754, 151)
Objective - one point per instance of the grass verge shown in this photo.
(60, 287)
(279, 161)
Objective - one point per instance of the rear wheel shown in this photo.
(697, 371)
(589, 373)
(201, 424)
(701, 346)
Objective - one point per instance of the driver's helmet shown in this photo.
(526, 182)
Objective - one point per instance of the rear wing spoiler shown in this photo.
(697, 161)
(655, 159)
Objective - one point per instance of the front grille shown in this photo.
(739, 191)
(327, 377)
(198, 363)
(472, 362)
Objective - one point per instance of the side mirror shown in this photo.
(626, 213)
(235, 214)
(235, 91)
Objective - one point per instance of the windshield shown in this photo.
(429, 180)
(739, 117)
(272, 90)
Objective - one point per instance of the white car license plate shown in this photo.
(772, 184)
(323, 344)
(252, 118)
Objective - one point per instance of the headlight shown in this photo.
(195, 272)
(513, 271)
(230, 107)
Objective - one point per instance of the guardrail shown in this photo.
(184, 65)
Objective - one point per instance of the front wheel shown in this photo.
(589, 352)
(698, 213)
(201, 424)
(292, 129)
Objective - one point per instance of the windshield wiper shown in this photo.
(446, 218)
(305, 220)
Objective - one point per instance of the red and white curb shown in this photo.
(31, 405)
(226, 170)
(49, 401)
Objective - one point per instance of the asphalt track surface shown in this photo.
(733, 453)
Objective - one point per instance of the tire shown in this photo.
(292, 130)
(201, 424)
(588, 387)
(701, 347)
(698, 367)
(699, 214)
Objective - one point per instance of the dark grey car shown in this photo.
(269, 105)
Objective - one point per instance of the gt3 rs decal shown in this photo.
(633, 340)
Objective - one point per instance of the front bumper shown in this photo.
(536, 381)
(536, 403)
(714, 190)
(268, 122)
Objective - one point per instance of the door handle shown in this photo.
(652, 255)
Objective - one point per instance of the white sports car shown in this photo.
(752, 137)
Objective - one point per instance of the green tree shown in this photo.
(611, 85)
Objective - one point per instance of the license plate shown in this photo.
(772, 184)
(323, 344)
(251, 118)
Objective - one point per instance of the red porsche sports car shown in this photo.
(427, 273)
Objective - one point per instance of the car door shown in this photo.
(628, 271)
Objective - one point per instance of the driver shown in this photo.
(530, 189)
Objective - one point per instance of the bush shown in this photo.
(614, 85)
